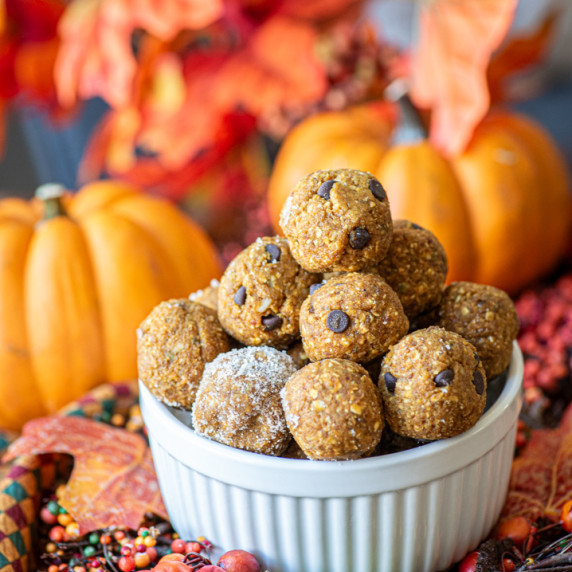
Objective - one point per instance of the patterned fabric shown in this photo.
(28, 478)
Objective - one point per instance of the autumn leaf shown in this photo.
(541, 477)
(449, 66)
(277, 68)
(518, 53)
(166, 18)
(95, 57)
(113, 482)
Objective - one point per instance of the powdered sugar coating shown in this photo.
(238, 402)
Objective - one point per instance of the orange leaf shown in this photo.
(541, 477)
(113, 481)
(165, 19)
(95, 57)
(457, 38)
(277, 68)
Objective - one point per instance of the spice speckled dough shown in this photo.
(333, 410)
(173, 344)
(337, 220)
(433, 385)
(261, 292)
(415, 267)
(239, 403)
(354, 316)
(486, 317)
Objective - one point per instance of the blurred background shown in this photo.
(194, 103)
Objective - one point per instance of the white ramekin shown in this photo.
(416, 510)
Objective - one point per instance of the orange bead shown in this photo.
(142, 559)
(149, 541)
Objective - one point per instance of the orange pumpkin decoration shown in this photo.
(501, 209)
(78, 273)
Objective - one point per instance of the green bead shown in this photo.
(63, 510)
(53, 507)
(94, 538)
(144, 533)
(89, 551)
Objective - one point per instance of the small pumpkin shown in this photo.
(500, 209)
(78, 273)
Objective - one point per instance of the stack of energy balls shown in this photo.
(312, 344)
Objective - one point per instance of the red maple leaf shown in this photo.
(113, 481)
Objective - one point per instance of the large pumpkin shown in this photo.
(78, 274)
(501, 209)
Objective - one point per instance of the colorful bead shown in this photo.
(51, 547)
(126, 564)
(149, 541)
(178, 545)
(65, 518)
(193, 547)
(152, 553)
(142, 560)
(47, 516)
(72, 529)
(89, 551)
(57, 533)
(53, 507)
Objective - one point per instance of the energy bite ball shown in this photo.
(173, 344)
(415, 267)
(337, 220)
(238, 402)
(207, 296)
(261, 292)
(486, 317)
(333, 410)
(433, 385)
(353, 316)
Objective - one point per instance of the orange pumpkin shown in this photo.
(501, 209)
(78, 273)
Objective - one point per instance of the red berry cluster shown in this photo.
(546, 341)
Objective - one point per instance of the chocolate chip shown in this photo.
(444, 378)
(240, 296)
(271, 322)
(315, 287)
(390, 382)
(325, 188)
(359, 238)
(377, 190)
(477, 358)
(274, 252)
(337, 321)
(479, 382)
(416, 226)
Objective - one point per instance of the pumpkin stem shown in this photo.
(51, 194)
(411, 128)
